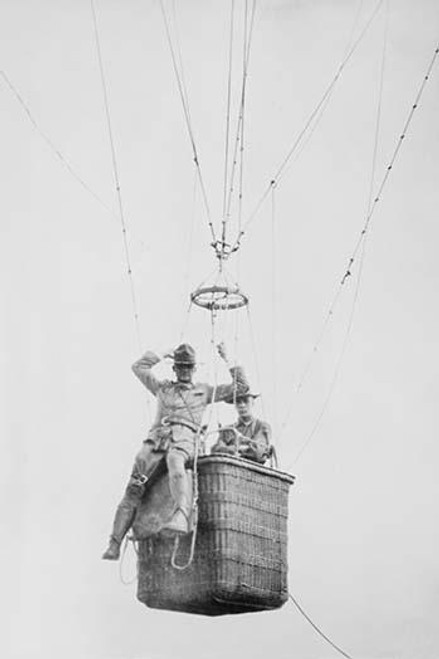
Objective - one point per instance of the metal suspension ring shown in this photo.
(219, 297)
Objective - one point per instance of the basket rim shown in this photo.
(246, 464)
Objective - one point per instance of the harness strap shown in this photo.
(176, 421)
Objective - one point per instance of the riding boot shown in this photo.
(122, 521)
(179, 522)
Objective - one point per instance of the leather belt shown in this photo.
(180, 422)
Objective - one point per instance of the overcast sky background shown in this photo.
(363, 551)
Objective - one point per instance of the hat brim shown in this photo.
(234, 399)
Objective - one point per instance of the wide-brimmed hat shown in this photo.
(240, 393)
(184, 354)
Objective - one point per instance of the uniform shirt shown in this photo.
(180, 401)
(256, 430)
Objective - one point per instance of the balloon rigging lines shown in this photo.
(185, 103)
(332, 308)
(281, 169)
(359, 244)
(362, 256)
(116, 175)
(239, 139)
(229, 94)
(56, 151)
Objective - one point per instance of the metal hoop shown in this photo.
(219, 297)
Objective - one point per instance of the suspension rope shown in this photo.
(334, 379)
(317, 629)
(319, 115)
(214, 363)
(239, 139)
(248, 32)
(240, 131)
(354, 24)
(186, 112)
(190, 245)
(180, 60)
(57, 152)
(255, 355)
(226, 149)
(116, 176)
(363, 251)
(372, 206)
(391, 164)
(274, 328)
(280, 171)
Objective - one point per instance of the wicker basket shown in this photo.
(240, 559)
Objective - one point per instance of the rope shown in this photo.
(239, 139)
(180, 58)
(245, 59)
(362, 257)
(195, 482)
(122, 558)
(274, 328)
(362, 237)
(321, 111)
(189, 261)
(277, 176)
(229, 93)
(116, 176)
(56, 151)
(317, 629)
(336, 372)
(390, 165)
(332, 307)
(255, 354)
(186, 112)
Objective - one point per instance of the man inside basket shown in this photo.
(248, 437)
(173, 436)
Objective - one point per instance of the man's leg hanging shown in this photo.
(180, 492)
(127, 508)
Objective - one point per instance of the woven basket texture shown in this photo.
(240, 559)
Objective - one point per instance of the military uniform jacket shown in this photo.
(179, 404)
(259, 432)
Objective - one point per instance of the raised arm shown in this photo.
(226, 392)
(142, 368)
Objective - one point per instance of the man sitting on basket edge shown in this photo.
(173, 435)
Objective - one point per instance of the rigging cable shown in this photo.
(362, 237)
(274, 315)
(180, 59)
(240, 129)
(317, 629)
(255, 356)
(239, 139)
(64, 161)
(319, 115)
(116, 176)
(226, 149)
(362, 255)
(280, 171)
(390, 165)
(190, 245)
(186, 112)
